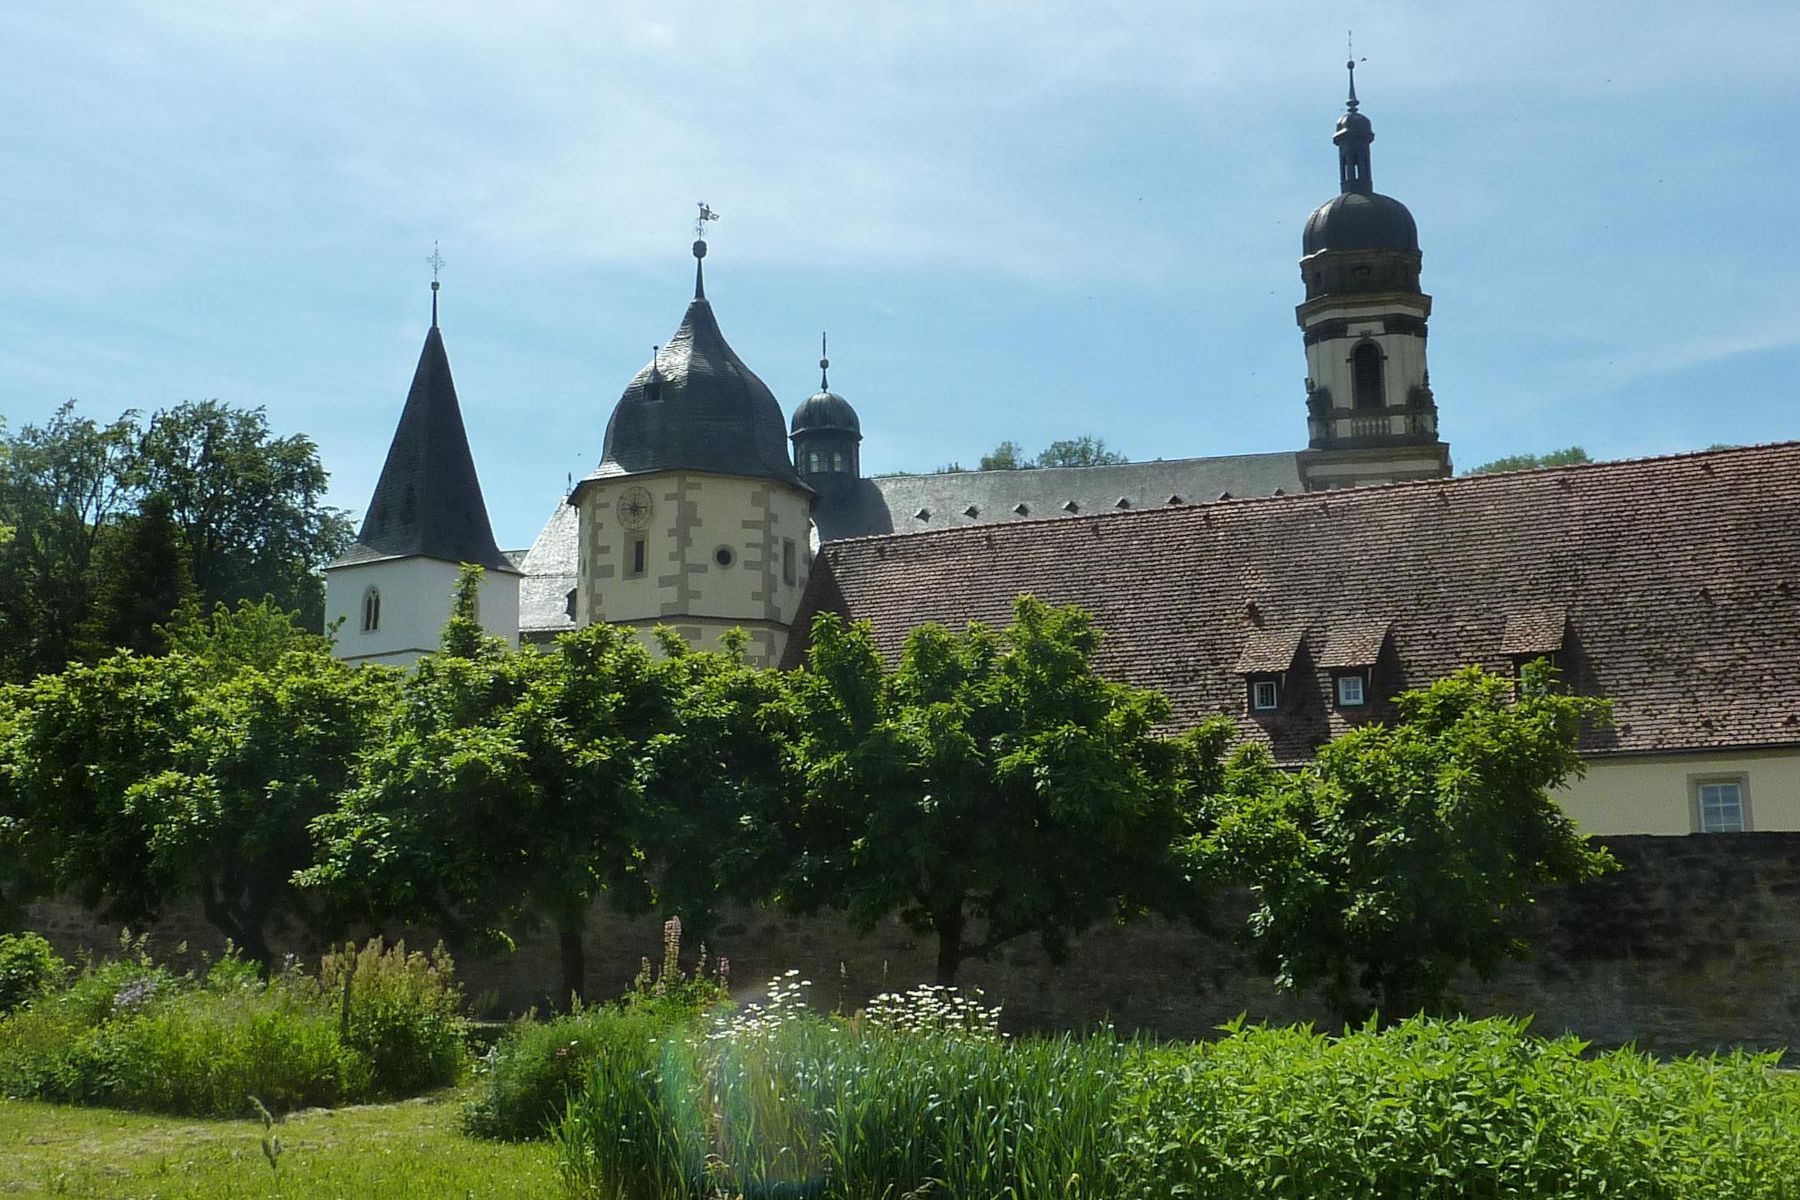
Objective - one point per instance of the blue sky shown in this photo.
(1018, 220)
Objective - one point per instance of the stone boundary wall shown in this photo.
(1694, 945)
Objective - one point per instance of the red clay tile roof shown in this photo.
(1671, 585)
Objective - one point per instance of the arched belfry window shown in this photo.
(371, 610)
(1365, 376)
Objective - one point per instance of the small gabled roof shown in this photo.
(428, 503)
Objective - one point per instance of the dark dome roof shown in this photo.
(1360, 221)
(828, 411)
(697, 407)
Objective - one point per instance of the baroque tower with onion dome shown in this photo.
(1371, 417)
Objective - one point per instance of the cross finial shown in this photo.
(436, 262)
(824, 365)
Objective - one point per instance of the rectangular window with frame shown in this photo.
(789, 556)
(637, 556)
(1720, 804)
(1351, 691)
(1265, 695)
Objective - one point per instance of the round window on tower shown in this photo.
(723, 556)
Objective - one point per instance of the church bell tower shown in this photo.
(1371, 417)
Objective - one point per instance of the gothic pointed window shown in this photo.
(371, 610)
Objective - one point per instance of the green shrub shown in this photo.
(129, 1034)
(530, 1073)
(205, 1054)
(1451, 1109)
(29, 968)
(402, 1011)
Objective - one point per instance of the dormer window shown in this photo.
(1353, 646)
(1267, 658)
(371, 610)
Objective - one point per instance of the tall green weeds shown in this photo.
(778, 1102)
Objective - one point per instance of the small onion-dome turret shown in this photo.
(1358, 218)
(825, 411)
(826, 435)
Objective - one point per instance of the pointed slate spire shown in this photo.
(428, 500)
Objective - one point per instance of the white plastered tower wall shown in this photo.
(390, 594)
(415, 597)
(694, 523)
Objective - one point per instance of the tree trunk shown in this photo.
(569, 929)
(949, 925)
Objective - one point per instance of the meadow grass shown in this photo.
(410, 1148)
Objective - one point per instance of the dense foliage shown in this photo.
(773, 1101)
(116, 527)
(1405, 852)
(1568, 457)
(990, 785)
(137, 781)
(29, 968)
(528, 1076)
(132, 1034)
(506, 785)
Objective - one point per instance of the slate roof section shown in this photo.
(428, 501)
(1353, 643)
(1269, 652)
(1535, 631)
(697, 407)
(1679, 579)
(550, 575)
(887, 503)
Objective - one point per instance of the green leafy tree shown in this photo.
(139, 780)
(992, 785)
(248, 504)
(142, 582)
(1007, 456)
(1405, 852)
(1087, 451)
(720, 776)
(507, 786)
(1569, 457)
(61, 487)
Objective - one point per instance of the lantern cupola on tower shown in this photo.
(1371, 416)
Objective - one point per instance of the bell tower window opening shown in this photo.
(371, 610)
(637, 556)
(1366, 384)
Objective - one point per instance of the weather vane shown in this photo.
(437, 264)
(1350, 45)
(706, 214)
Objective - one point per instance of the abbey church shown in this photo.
(1297, 592)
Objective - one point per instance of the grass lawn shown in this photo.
(377, 1150)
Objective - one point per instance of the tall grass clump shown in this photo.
(918, 1092)
(530, 1073)
(128, 1033)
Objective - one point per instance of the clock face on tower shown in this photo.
(635, 507)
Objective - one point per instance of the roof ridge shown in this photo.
(1354, 494)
